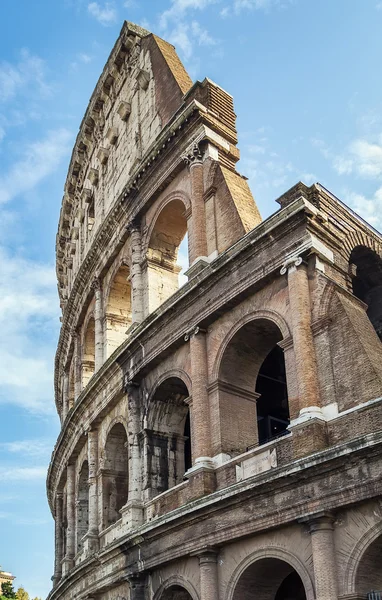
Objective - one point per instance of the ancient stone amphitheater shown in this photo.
(220, 440)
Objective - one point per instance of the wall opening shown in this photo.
(71, 385)
(168, 440)
(88, 356)
(369, 572)
(82, 505)
(272, 405)
(118, 310)
(162, 254)
(269, 579)
(175, 592)
(115, 478)
(366, 271)
(253, 397)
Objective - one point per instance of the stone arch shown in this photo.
(326, 299)
(118, 307)
(281, 557)
(271, 315)
(115, 479)
(168, 433)
(82, 504)
(357, 238)
(372, 536)
(365, 267)
(165, 234)
(250, 385)
(165, 590)
(177, 195)
(88, 354)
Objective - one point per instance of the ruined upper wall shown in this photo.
(141, 87)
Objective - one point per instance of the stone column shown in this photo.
(198, 246)
(65, 395)
(132, 512)
(209, 587)
(70, 518)
(91, 539)
(98, 325)
(201, 434)
(58, 521)
(137, 585)
(77, 364)
(324, 557)
(306, 368)
(136, 275)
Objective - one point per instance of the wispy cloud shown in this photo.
(362, 157)
(29, 323)
(38, 160)
(27, 73)
(8, 474)
(237, 6)
(105, 14)
(184, 33)
(31, 448)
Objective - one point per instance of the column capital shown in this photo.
(291, 264)
(193, 155)
(96, 285)
(322, 521)
(194, 331)
(209, 554)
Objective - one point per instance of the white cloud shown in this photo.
(29, 325)
(361, 156)
(106, 14)
(179, 9)
(27, 74)
(22, 473)
(378, 6)
(368, 208)
(30, 448)
(238, 6)
(85, 58)
(38, 160)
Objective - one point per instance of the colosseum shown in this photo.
(220, 439)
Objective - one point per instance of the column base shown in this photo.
(198, 265)
(201, 478)
(132, 514)
(308, 436)
(91, 543)
(67, 565)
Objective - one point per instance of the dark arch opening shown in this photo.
(272, 406)
(369, 572)
(253, 396)
(82, 505)
(269, 579)
(115, 478)
(366, 271)
(175, 592)
(168, 436)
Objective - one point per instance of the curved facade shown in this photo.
(220, 440)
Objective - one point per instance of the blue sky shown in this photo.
(305, 75)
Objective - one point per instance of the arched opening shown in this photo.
(82, 505)
(366, 271)
(272, 404)
(115, 479)
(269, 579)
(71, 386)
(162, 254)
(253, 397)
(369, 572)
(88, 356)
(118, 310)
(175, 592)
(168, 437)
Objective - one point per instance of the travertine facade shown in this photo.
(223, 440)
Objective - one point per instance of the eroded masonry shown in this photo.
(221, 440)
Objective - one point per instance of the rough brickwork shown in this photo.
(220, 440)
